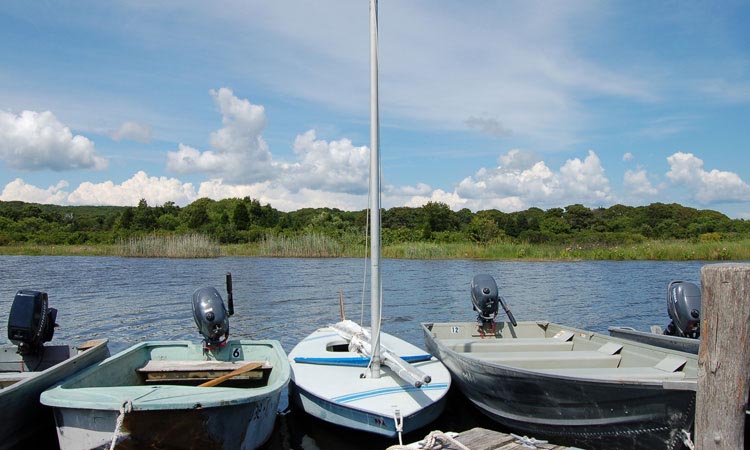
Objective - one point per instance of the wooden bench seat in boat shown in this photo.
(10, 378)
(507, 345)
(163, 372)
(552, 360)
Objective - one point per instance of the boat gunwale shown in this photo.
(168, 397)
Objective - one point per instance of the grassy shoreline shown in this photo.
(319, 246)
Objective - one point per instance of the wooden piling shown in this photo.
(724, 357)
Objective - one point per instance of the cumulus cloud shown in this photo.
(20, 190)
(240, 155)
(706, 187)
(637, 184)
(132, 131)
(239, 152)
(155, 190)
(519, 186)
(585, 180)
(488, 125)
(628, 157)
(336, 166)
(37, 140)
(517, 159)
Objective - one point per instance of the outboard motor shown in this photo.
(684, 308)
(485, 298)
(211, 316)
(31, 322)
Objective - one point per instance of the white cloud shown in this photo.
(240, 154)
(336, 166)
(155, 190)
(637, 184)
(521, 185)
(19, 190)
(686, 169)
(37, 140)
(585, 181)
(517, 159)
(132, 131)
(627, 157)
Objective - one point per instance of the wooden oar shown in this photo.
(246, 368)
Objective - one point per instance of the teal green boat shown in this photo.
(218, 394)
(149, 395)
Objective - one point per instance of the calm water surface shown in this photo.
(131, 300)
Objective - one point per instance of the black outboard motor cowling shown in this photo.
(31, 322)
(684, 308)
(485, 298)
(211, 316)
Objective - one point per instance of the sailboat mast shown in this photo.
(375, 286)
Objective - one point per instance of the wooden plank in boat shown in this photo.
(168, 371)
(10, 378)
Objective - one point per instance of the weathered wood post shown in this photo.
(724, 357)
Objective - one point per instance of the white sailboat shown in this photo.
(362, 378)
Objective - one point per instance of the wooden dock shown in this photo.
(484, 439)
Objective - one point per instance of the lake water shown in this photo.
(131, 300)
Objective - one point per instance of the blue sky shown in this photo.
(484, 104)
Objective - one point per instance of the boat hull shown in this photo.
(681, 344)
(332, 384)
(116, 400)
(362, 420)
(604, 414)
(23, 418)
(245, 426)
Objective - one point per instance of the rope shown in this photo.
(527, 442)
(685, 436)
(126, 407)
(398, 419)
(436, 440)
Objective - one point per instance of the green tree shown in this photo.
(482, 229)
(241, 216)
(579, 217)
(439, 217)
(196, 213)
(143, 217)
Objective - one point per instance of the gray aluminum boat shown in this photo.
(683, 331)
(578, 387)
(28, 367)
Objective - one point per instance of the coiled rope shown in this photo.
(436, 440)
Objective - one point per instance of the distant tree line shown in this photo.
(246, 220)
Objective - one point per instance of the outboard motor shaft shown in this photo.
(211, 316)
(31, 322)
(684, 308)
